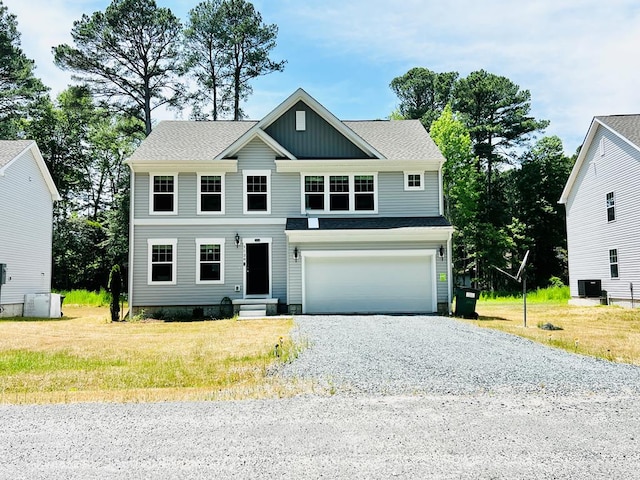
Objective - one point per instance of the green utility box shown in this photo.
(466, 299)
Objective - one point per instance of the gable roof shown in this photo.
(627, 127)
(180, 140)
(12, 150)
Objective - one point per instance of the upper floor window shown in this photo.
(611, 207)
(613, 262)
(340, 193)
(413, 181)
(210, 194)
(209, 262)
(162, 261)
(164, 189)
(257, 191)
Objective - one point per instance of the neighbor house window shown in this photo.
(162, 261)
(164, 191)
(413, 181)
(611, 207)
(209, 260)
(613, 262)
(340, 193)
(257, 186)
(210, 194)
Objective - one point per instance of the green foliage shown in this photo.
(86, 297)
(19, 88)
(423, 94)
(554, 294)
(13, 362)
(129, 55)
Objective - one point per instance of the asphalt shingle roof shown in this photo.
(9, 149)
(188, 140)
(367, 223)
(626, 125)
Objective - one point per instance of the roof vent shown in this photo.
(313, 223)
(301, 120)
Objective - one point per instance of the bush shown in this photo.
(87, 298)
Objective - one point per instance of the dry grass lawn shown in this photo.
(608, 332)
(84, 357)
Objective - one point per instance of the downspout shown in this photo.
(450, 268)
(440, 191)
(131, 238)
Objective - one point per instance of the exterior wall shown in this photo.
(589, 235)
(295, 268)
(26, 238)
(318, 140)
(394, 201)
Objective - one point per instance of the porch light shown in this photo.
(295, 253)
(441, 252)
(237, 240)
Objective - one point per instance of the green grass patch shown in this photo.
(13, 362)
(87, 298)
(541, 295)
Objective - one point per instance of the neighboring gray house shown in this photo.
(603, 221)
(299, 212)
(27, 193)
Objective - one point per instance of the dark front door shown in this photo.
(257, 266)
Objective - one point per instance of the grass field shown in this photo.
(608, 332)
(84, 357)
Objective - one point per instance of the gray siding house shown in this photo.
(298, 212)
(27, 193)
(603, 221)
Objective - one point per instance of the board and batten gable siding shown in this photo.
(295, 268)
(318, 140)
(589, 235)
(26, 219)
(186, 291)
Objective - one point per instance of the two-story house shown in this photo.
(298, 212)
(603, 224)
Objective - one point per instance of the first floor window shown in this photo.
(162, 261)
(613, 262)
(209, 260)
(163, 193)
(611, 207)
(211, 193)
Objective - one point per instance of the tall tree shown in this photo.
(248, 43)
(423, 94)
(497, 113)
(129, 55)
(18, 86)
(206, 58)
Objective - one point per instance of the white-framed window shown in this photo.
(162, 261)
(340, 193)
(257, 191)
(301, 120)
(414, 180)
(163, 194)
(613, 262)
(611, 207)
(211, 194)
(209, 260)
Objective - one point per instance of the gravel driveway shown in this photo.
(413, 397)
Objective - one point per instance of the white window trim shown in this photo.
(352, 193)
(175, 193)
(251, 173)
(209, 241)
(162, 241)
(616, 263)
(301, 120)
(407, 188)
(613, 206)
(222, 193)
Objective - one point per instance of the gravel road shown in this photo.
(413, 397)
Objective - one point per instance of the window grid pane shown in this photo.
(162, 254)
(211, 184)
(210, 253)
(256, 183)
(613, 262)
(413, 180)
(363, 183)
(338, 184)
(163, 184)
(314, 184)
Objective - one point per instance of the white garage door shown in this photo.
(368, 282)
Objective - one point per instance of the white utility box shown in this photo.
(42, 305)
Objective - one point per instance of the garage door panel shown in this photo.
(368, 284)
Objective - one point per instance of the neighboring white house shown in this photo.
(298, 212)
(602, 197)
(27, 193)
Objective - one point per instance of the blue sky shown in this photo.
(578, 58)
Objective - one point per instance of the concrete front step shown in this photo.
(255, 307)
(256, 310)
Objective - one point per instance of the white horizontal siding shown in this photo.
(589, 235)
(25, 230)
